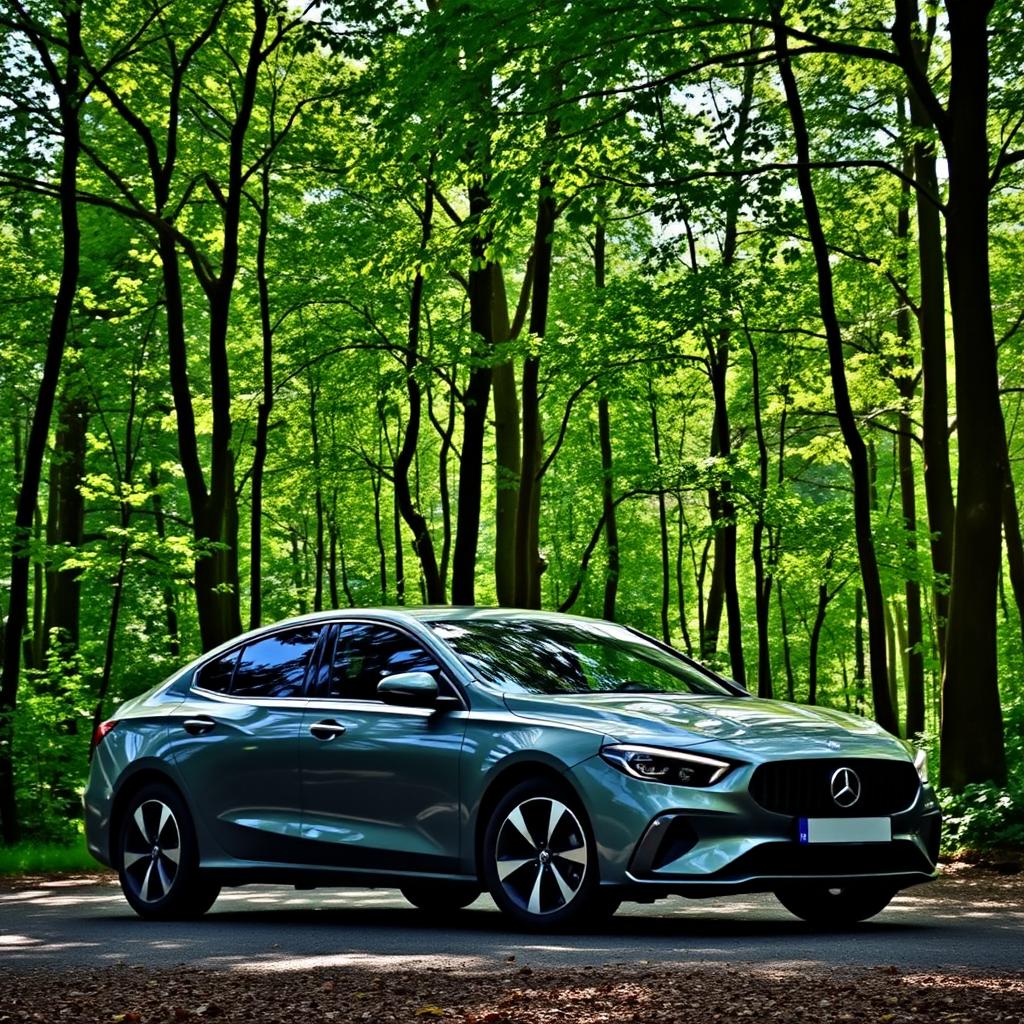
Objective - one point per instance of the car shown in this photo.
(561, 763)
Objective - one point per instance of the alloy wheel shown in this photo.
(541, 855)
(152, 850)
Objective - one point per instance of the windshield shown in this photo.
(550, 657)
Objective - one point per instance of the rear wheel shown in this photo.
(441, 896)
(835, 905)
(158, 857)
(540, 861)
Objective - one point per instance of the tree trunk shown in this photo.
(662, 518)
(422, 541)
(938, 479)
(972, 726)
(507, 469)
(680, 589)
(474, 418)
(762, 579)
(787, 653)
(170, 606)
(65, 523)
(1014, 544)
(446, 433)
(815, 642)
(884, 712)
(68, 97)
(611, 528)
(263, 410)
(859, 668)
(318, 497)
(906, 385)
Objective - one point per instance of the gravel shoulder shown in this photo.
(517, 996)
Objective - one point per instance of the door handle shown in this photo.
(327, 729)
(198, 726)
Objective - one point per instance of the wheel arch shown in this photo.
(129, 785)
(503, 781)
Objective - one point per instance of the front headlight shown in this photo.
(921, 764)
(672, 767)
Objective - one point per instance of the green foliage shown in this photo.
(986, 815)
(32, 857)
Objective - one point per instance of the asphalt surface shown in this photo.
(82, 923)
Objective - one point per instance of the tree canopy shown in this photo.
(704, 317)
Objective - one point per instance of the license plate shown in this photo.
(845, 830)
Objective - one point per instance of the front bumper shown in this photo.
(657, 839)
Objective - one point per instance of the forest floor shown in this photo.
(518, 994)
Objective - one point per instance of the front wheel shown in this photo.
(835, 906)
(540, 862)
(158, 857)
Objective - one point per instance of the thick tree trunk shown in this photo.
(884, 713)
(474, 418)
(938, 479)
(972, 727)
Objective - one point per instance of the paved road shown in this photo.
(270, 928)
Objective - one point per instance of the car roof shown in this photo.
(431, 613)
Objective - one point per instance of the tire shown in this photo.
(540, 859)
(441, 896)
(835, 906)
(158, 857)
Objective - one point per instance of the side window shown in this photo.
(365, 654)
(216, 675)
(276, 665)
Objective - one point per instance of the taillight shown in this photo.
(101, 731)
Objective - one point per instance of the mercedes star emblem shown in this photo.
(845, 786)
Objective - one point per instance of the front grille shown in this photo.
(804, 788)
(784, 860)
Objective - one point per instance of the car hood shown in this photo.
(754, 726)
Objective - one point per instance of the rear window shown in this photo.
(275, 666)
(216, 675)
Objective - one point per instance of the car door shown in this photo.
(236, 743)
(380, 784)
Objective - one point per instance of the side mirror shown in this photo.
(408, 689)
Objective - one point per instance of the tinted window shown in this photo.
(216, 675)
(574, 656)
(276, 665)
(365, 654)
